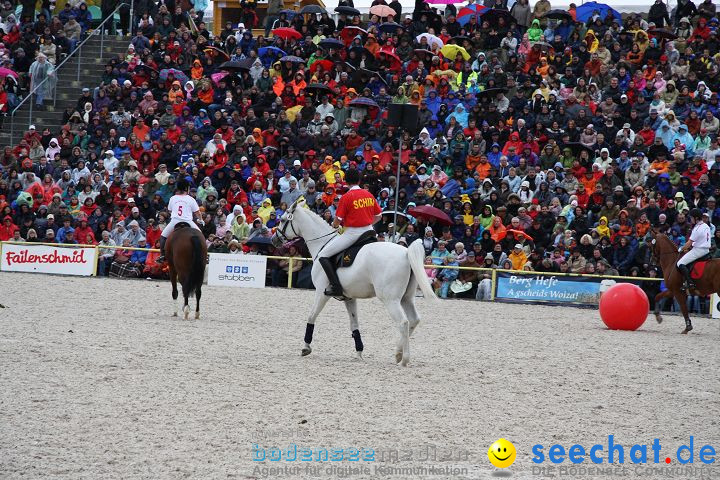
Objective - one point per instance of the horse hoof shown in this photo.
(687, 329)
(658, 318)
(174, 314)
(404, 363)
(197, 315)
(398, 357)
(305, 351)
(359, 356)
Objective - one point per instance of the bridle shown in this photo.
(281, 232)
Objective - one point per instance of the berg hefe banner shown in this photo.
(48, 259)
(548, 288)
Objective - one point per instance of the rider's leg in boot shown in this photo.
(334, 289)
(686, 274)
(161, 258)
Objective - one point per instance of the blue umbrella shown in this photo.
(586, 10)
(389, 27)
(269, 54)
(292, 58)
(179, 76)
(331, 43)
(289, 14)
(363, 102)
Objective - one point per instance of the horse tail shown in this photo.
(416, 257)
(197, 268)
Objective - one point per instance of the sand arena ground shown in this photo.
(98, 381)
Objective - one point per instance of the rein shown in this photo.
(288, 222)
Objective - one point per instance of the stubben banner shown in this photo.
(228, 270)
(48, 259)
(548, 288)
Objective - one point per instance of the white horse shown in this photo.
(384, 270)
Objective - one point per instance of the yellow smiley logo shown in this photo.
(502, 453)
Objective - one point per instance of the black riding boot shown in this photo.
(161, 258)
(335, 289)
(688, 283)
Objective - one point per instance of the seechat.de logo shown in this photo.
(236, 269)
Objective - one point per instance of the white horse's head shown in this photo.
(286, 230)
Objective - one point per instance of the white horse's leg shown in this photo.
(402, 351)
(408, 304)
(320, 300)
(351, 306)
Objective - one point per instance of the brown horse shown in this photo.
(186, 253)
(667, 254)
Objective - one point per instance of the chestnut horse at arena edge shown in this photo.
(667, 254)
(186, 253)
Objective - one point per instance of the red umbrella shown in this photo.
(394, 62)
(428, 212)
(326, 64)
(287, 32)
(348, 33)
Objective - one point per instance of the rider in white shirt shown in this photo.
(697, 246)
(183, 208)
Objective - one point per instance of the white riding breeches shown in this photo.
(693, 255)
(171, 226)
(349, 236)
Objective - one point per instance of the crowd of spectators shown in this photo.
(551, 144)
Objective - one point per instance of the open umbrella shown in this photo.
(364, 102)
(179, 76)
(585, 11)
(422, 51)
(236, 65)
(390, 27)
(268, 55)
(291, 58)
(494, 14)
(287, 32)
(216, 53)
(345, 10)
(359, 50)
(326, 65)
(331, 43)
(577, 147)
(491, 92)
(444, 2)
(474, 10)
(431, 39)
(661, 33)
(558, 14)
(348, 33)
(6, 72)
(382, 11)
(430, 213)
(289, 14)
(394, 62)
(451, 51)
(460, 39)
(311, 9)
(318, 88)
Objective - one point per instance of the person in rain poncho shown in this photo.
(42, 74)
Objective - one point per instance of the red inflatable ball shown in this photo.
(624, 306)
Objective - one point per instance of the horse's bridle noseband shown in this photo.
(281, 232)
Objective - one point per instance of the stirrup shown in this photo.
(160, 259)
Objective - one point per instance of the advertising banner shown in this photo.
(48, 259)
(228, 270)
(548, 288)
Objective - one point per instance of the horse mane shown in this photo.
(661, 237)
(316, 219)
